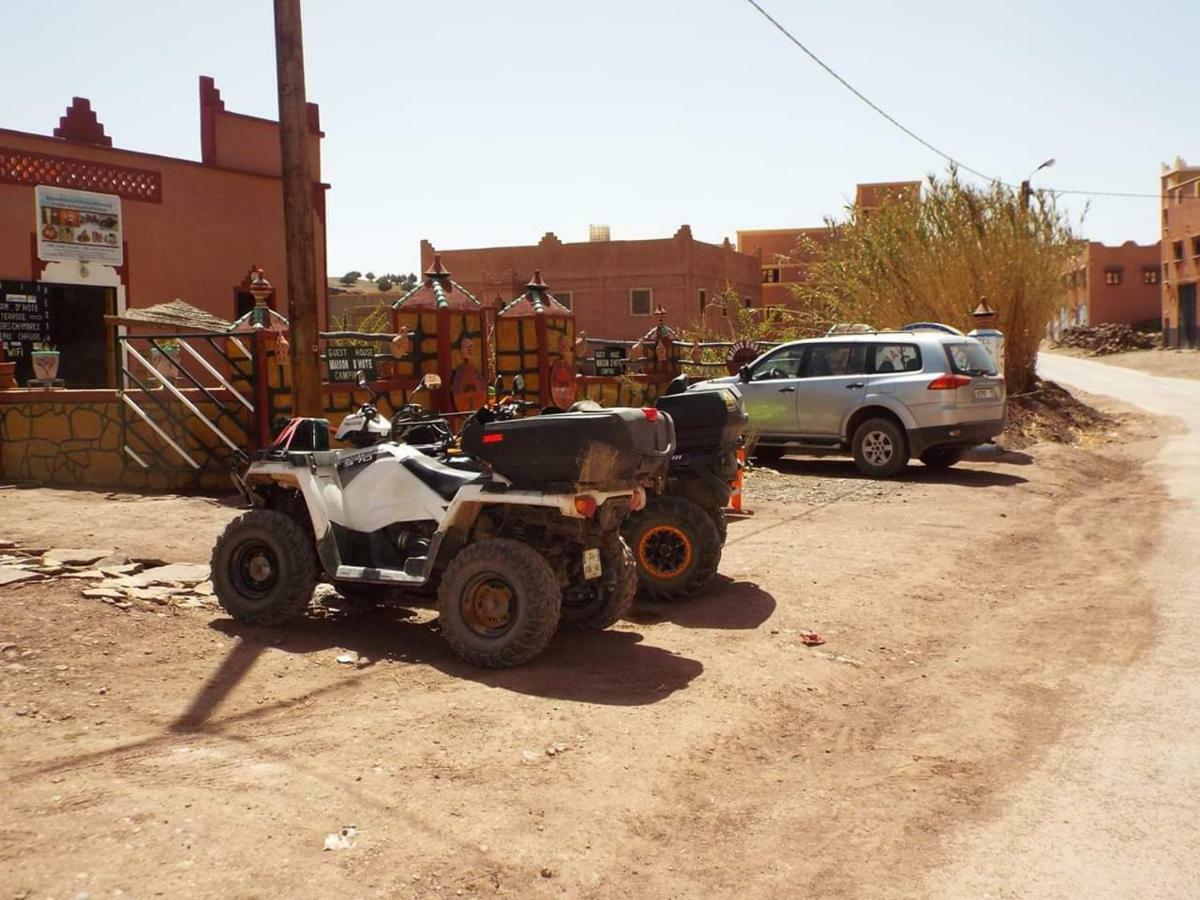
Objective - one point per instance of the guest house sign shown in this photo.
(78, 225)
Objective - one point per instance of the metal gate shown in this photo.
(188, 400)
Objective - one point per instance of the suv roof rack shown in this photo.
(851, 328)
(932, 326)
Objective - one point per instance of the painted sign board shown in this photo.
(347, 361)
(24, 321)
(78, 225)
(610, 359)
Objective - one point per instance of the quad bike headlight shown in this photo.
(638, 499)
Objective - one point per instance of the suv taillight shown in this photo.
(949, 382)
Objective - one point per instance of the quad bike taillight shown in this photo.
(650, 413)
(585, 505)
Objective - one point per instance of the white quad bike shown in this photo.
(512, 553)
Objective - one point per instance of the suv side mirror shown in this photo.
(744, 374)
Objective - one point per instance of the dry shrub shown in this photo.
(932, 258)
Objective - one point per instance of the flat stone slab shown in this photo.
(76, 557)
(175, 573)
(12, 575)
(104, 594)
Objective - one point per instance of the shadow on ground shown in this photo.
(614, 668)
(914, 474)
(725, 603)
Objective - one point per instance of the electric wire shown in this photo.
(920, 140)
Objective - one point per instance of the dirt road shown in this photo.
(1114, 809)
(698, 750)
(1168, 363)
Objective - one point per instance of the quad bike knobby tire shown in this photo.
(676, 546)
(595, 605)
(498, 603)
(264, 568)
(718, 516)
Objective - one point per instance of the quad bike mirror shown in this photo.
(518, 384)
(360, 378)
(431, 381)
(677, 385)
(499, 385)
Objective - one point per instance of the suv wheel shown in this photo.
(880, 449)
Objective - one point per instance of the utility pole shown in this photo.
(303, 352)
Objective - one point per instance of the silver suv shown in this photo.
(882, 396)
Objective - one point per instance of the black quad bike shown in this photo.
(678, 537)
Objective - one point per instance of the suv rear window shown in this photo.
(970, 359)
(895, 358)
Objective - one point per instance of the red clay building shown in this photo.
(1112, 285)
(612, 286)
(1180, 253)
(141, 229)
(786, 253)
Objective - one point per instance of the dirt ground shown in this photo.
(699, 749)
(1170, 363)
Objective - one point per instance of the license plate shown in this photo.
(591, 563)
(986, 393)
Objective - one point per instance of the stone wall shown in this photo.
(76, 439)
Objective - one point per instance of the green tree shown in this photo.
(384, 284)
(370, 276)
(932, 258)
(350, 278)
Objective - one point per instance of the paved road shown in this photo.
(1114, 809)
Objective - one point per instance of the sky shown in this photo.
(478, 123)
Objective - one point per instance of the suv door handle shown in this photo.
(787, 390)
(856, 384)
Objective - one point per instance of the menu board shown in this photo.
(610, 359)
(24, 318)
(78, 225)
(346, 362)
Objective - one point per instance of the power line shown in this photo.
(916, 137)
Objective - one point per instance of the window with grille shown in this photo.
(1150, 275)
(565, 298)
(1112, 276)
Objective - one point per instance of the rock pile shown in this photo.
(110, 576)
(1104, 339)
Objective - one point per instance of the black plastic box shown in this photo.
(580, 448)
(706, 420)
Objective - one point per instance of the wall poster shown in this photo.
(78, 225)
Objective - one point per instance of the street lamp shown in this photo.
(1026, 190)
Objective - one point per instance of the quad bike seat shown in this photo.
(444, 480)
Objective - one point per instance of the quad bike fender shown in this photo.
(317, 485)
(467, 503)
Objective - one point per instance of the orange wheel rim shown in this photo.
(665, 551)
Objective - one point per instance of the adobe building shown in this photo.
(1180, 253)
(88, 230)
(1112, 285)
(787, 253)
(613, 287)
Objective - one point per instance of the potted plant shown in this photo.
(45, 362)
(165, 357)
